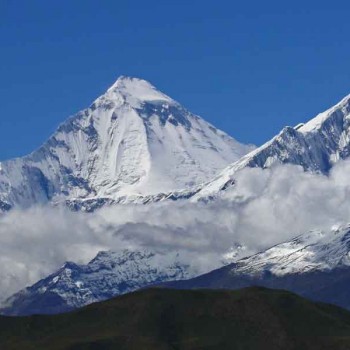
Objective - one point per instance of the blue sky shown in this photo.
(249, 68)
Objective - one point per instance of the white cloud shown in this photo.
(265, 207)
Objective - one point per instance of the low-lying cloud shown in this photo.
(265, 207)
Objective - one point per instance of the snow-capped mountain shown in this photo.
(133, 142)
(314, 250)
(315, 264)
(109, 274)
(315, 146)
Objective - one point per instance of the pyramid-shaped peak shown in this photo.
(124, 81)
(137, 89)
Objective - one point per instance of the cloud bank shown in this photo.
(265, 207)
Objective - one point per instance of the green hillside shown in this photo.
(251, 318)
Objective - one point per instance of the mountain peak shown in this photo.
(133, 141)
(124, 80)
(135, 91)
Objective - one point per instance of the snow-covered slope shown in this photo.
(315, 264)
(132, 142)
(315, 146)
(314, 250)
(109, 274)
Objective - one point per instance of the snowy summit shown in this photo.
(133, 141)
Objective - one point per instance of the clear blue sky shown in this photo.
(248, 67)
